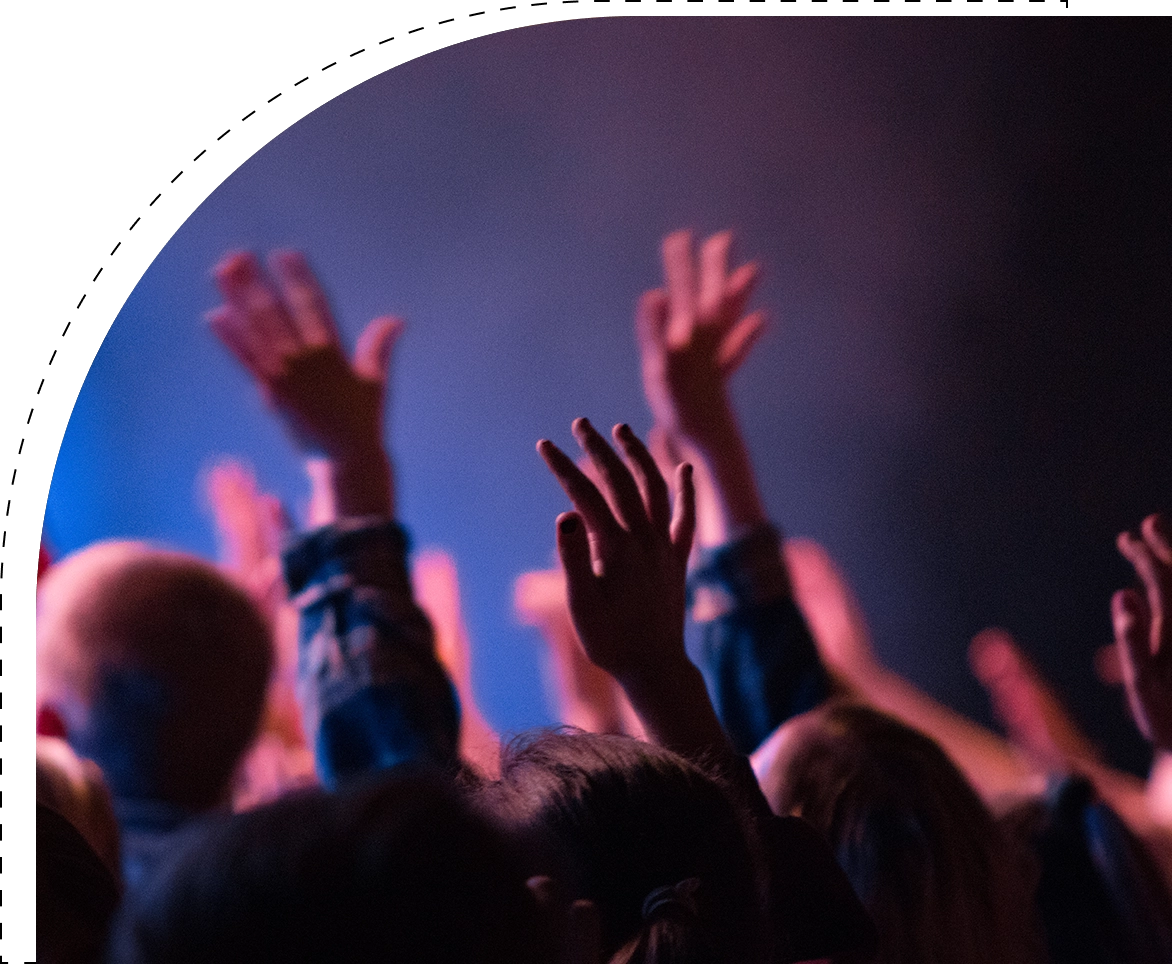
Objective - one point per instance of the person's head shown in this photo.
(76, 789)
(939, 878)
(76, 893)
(399, 869)
(156, 664)
(650, 839)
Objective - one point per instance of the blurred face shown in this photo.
(771, 761)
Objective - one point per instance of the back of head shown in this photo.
(158, 666)
(400, 869)
(940, 880)
(652, 840)
(75, 789)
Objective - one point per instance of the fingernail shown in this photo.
(568, 525)
(625, 430)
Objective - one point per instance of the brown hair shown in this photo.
(650, 838)
(942, 882)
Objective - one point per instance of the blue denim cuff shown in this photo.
(746, 572)
(346, 546)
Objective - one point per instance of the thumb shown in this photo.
(376, 346)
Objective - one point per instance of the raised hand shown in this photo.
(249, 526)
(281, 329)
(694, 335)
(437, 587)
(625, 554)
(1027, 707)
(1143, 630)
(587, 697)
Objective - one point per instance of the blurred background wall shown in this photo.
(965, 391)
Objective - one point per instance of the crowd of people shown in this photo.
(280, 757)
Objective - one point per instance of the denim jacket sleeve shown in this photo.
(373, 694)
(757, 655)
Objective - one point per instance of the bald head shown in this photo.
(158, 665)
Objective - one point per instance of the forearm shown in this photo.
(675, 711)
(756, 652)
(353, 485)
(373, 694)
(728, 501)
(994, 767)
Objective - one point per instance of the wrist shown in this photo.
(362, 483)
(653, 685)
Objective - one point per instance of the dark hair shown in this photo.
(76, 893)
(651, 839)
(400, 869)
(942, 882)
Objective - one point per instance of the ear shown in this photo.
(576, 926)
(50, 722)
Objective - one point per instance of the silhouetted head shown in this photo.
(650, 839)
(399, 870)
(939, 878)
(157, 665)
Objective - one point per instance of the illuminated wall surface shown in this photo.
(965, 393)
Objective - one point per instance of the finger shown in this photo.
(1131, 622)
(244, 285)
(237, 337)
(736, 345)
(992, 655)
(1154, 577)
(308, 306)
(539, 595)
(376, 348)
(583, 493)
(665, 452)
(618, 484)
(714, 253)
(1159, 540)
(275, 524)
(739, 290)
(224, 482)
(683, 523)
(651, 320)
(652, 487)
(1107, 665)
(679, 275)
(574, 552)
